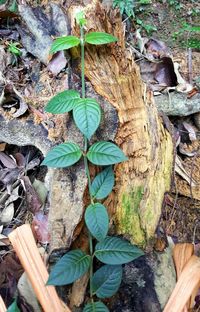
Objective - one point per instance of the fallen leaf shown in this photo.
(41, 190)
(2, 147)
(57, 63)
(7, 161)
(191, 131)
(164, 73)
(33, 201)
(7, 214)
(183, 173)
(40, 228)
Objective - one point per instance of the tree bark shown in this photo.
(135, 204)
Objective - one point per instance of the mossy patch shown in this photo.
(129, 216)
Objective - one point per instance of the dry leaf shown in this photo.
(40, 228)
(7, 214)
(182, 172)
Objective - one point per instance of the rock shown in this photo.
(147, 284)
(36, 34)
(178, 104)
(21, 132)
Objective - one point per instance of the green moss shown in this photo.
(129, 218)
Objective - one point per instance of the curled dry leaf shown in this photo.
(156, 49)
(12, 102)
(183, 173)
(164, 73)
(191, 131)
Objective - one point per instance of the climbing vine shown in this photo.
(111, 251)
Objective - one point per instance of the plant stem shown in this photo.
(82, 62)
(85, 150)
(91, 266)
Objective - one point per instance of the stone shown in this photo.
(147, 284)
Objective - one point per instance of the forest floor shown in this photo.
(164, 21)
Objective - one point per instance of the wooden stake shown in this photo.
(25, 247)
(2, 305)
(187, 282)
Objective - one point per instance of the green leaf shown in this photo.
(106, 280)
(95, 307)
(69, 268)
(64, 43)
(41, 190)
(80, 18)
(63, 155)
(63, 102)
(13, 307)
(114, 250)
(103, 183)
(97, 221)
(87, 116)
(99, 38)
(105, 153)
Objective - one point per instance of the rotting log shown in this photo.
(135, 204)
(130, 120)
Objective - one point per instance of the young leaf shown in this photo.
(95, 307)
(106, 281)
(80, 18)
(63, 102)
(96, 219)
(13, 307)
(64, 43)
(114, 250)
(99, 38)
(63, 155)
(87, 116)
(103, 183)
(105, 153)
(69, 268)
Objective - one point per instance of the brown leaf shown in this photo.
(165, 74)
(2, 147)
(57, 63)
(40, 228)
(33, 202)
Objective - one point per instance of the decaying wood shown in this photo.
(178, 104)
(135, 204)
(185, 286)
(25, 247)
(2, 305)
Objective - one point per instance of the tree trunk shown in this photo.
(135, 204)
